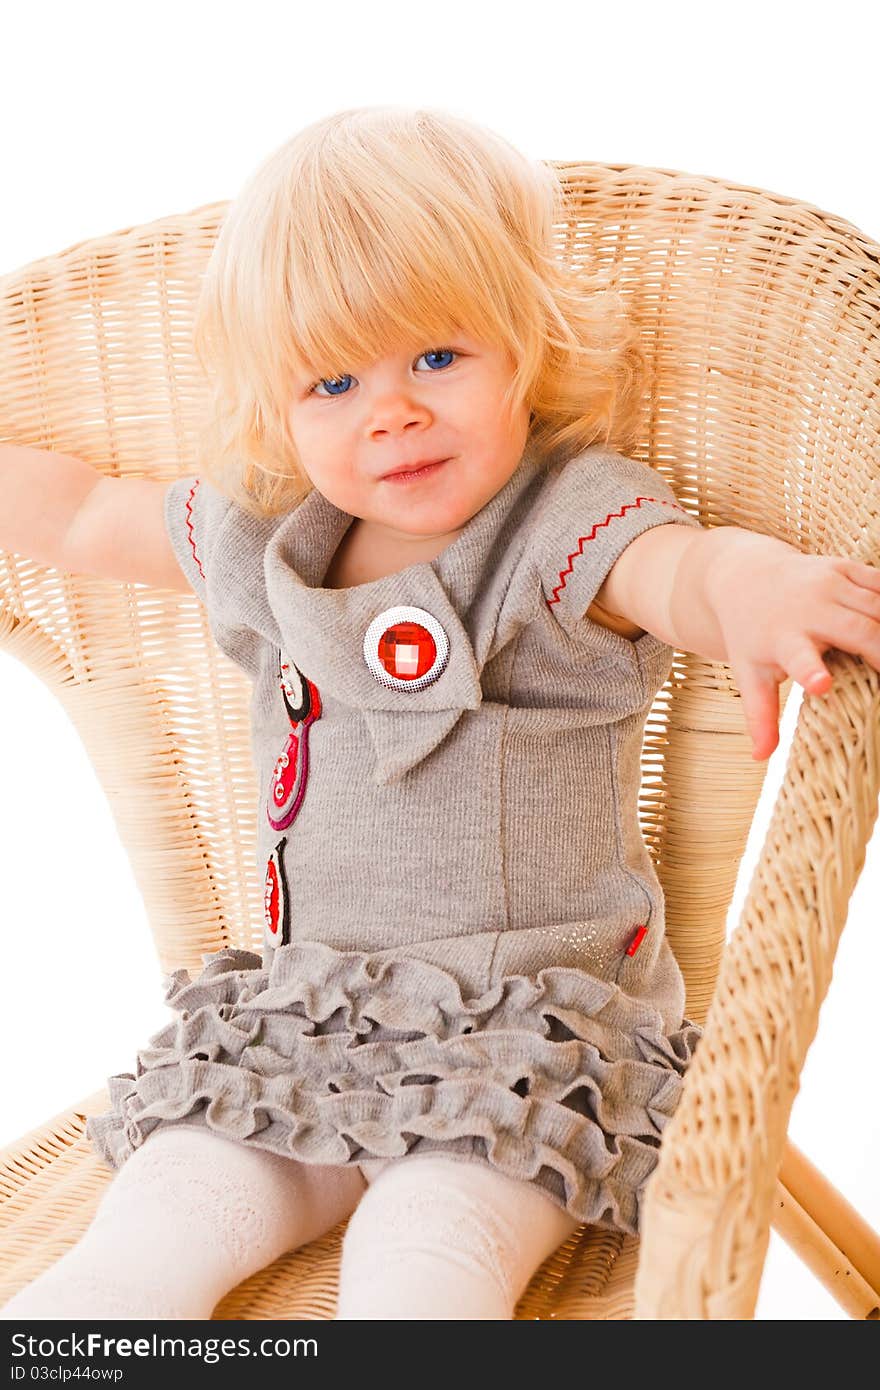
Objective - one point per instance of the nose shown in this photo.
(397, 411)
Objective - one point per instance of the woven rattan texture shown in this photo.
(759, 316)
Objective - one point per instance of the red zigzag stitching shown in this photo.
(189, 525)
(563, 574)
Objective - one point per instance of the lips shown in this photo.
(414, 467)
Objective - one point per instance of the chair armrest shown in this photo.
(706, 1215)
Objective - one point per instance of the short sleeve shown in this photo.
(220, 548)
(194, 512)
(599, 501)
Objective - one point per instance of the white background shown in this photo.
(116, 114)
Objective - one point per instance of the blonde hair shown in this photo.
(378, 228)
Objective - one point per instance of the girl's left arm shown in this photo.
(752, 601)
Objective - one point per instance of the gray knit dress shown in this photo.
(464, 946)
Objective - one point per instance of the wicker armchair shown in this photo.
(761, 320)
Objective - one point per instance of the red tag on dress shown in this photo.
(636, 941)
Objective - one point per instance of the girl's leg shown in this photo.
(439, 1237)
(189, 1215)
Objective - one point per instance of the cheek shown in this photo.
(318, 448)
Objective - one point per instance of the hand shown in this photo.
(779, 611)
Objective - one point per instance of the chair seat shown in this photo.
(51, 1181)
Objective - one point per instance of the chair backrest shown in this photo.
(759, 316)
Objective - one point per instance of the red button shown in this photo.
(407, 650)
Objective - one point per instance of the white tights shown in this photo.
(191, 1214)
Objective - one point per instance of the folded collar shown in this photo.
(466, 588)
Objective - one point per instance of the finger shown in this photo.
(867, 576)
(801, 659)
(850, 623)
(851, 593)
(760, 696)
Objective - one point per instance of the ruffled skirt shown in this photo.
(328, 1056)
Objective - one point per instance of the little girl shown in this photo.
(465, 1031)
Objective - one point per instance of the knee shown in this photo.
(421, 1242)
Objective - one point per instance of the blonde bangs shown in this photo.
(380, 229)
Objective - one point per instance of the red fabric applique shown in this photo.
(288, 784)
(302, 702)
(192, 542)
(591, 535)
(275, 904)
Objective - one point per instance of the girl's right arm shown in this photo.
(58, 510)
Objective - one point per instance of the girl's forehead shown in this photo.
(429, 340)
(444, 337)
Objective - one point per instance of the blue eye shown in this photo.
(340, 380)
(328, 381)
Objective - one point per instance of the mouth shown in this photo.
(409, 475)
